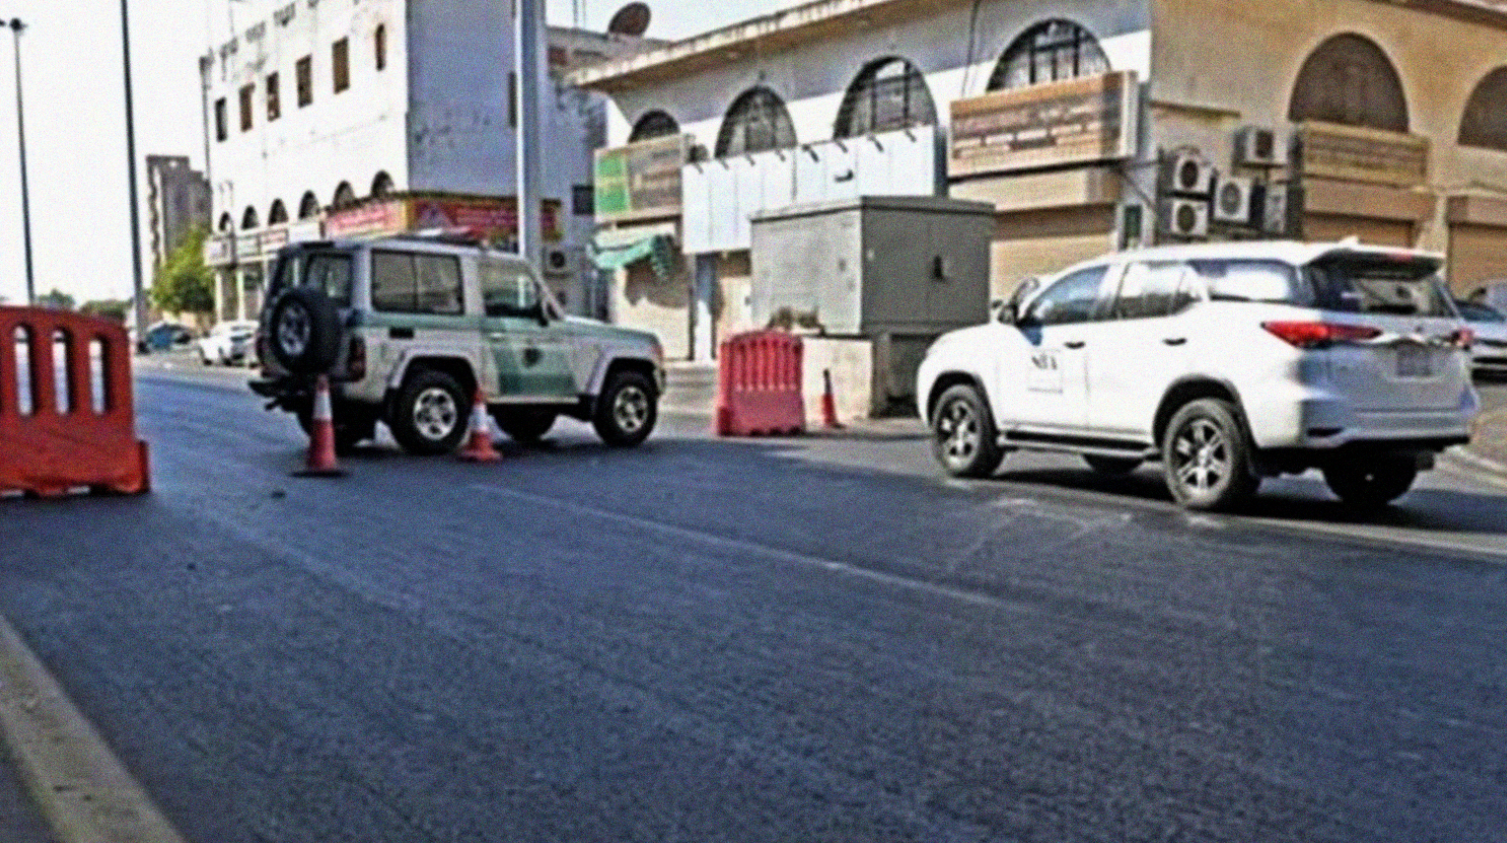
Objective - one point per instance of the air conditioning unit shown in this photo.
(1256, 146)
(1234, 200)
(559, 260)
(1189, 174)
(1186, 219)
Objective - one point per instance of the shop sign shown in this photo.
(1353, 153)
(372, 218)
(300, 232)
(247, 246)
(1078, 121)
(218, 250)
(273, 239)
(488, 219)
(640, 180)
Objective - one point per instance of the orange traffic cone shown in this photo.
(479, 448)
(829, 402)
(321, 460)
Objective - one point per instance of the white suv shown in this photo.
(1226, 362)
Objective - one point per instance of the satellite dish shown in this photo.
(632, 19)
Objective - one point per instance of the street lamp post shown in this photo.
(140, 298)
(31, 285)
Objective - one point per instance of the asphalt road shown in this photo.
(762, 640)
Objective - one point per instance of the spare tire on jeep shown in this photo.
(303, 330)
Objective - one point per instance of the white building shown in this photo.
(363, 117)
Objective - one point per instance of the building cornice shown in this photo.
(814, 21)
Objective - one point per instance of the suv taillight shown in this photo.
(356, 363)
(1311, 335)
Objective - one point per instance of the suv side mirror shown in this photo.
(1012, 311)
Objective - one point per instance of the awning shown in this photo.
(616, 248)
(621, 256)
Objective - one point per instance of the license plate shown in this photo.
(1414, 362)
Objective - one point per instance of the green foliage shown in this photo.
(183, 283)
(56, 300)
(113, 309)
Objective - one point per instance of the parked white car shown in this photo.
(1225, 362)
(227, 343)
(1488, 354)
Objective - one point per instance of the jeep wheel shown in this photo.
(430, 413)
(1206, 458)
(304, 331)
(963, 435)
(1114, 466)
(525, 425)
(1371, 486)
(626, 410)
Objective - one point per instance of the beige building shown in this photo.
(1090, 125)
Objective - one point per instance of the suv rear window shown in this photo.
(1253, 280)
(1379, 285)
(329, 271)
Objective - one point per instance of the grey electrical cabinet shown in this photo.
(903, 265)
(896, 271)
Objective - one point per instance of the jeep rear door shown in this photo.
(529, 355)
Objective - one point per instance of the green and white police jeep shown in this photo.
(408, 328)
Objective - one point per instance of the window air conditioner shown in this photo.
(559, 261)
(1256, 146)
(1186, 218)
(1189, 174)
(1234, 200)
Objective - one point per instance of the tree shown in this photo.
(113, 309)
(56, 300)
(183, 283)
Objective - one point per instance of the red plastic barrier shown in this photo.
(83, 435)
(759, 385)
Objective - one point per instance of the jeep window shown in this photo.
(1402, 286)
(332, 274)
(507, 289)
(1253, 281)
(1071, 299)
(288, 272)
(407, 283)
(1151, 289)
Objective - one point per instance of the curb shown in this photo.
(85, 794)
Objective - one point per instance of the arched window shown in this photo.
(756, 121)
(227, 222)
(1349, 80)
(1485, 120)
(381, 185)
(655, 124)
(379, 45)
(888, 94)
(249, 219)
(308, 207)
(1050, 51)
(278, 214)
(344, 196)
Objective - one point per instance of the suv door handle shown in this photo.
(1174, 340)
(400, 333)
(1074, 344)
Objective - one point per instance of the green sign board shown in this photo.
(640, 180)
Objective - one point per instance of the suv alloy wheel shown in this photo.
(429, 415)
(1206, 457)
(626, 410)
(963, 435)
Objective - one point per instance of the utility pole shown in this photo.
(526, 42)
(137, 291)
(31, 284)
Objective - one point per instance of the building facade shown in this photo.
(369, 117)
(1089, 125)
(177, 202)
